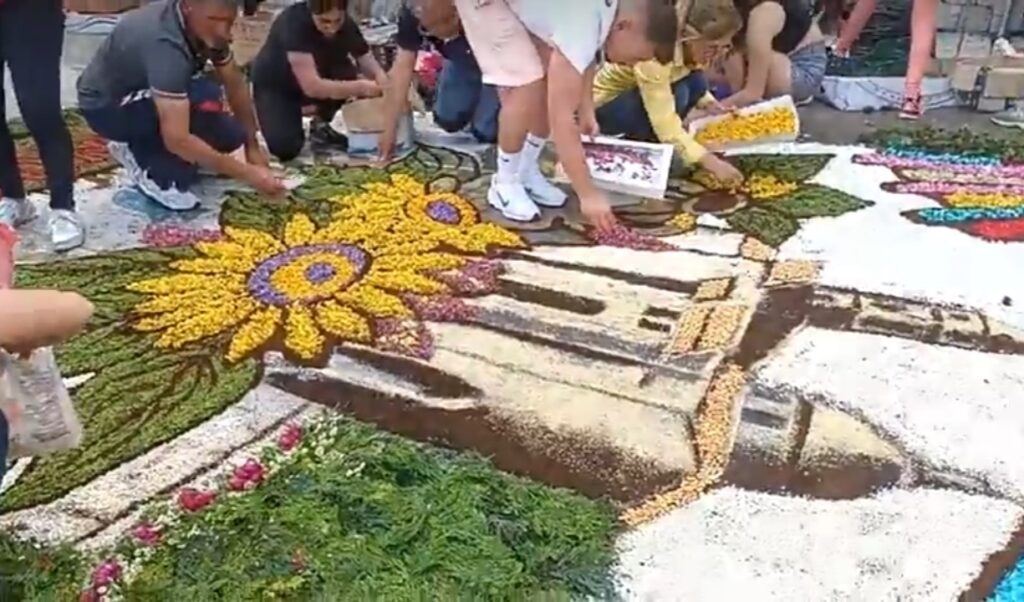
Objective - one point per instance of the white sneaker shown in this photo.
(15, 212)
(66, 230)
(512, 201)
(120, 152)
(171, 198)
(541, 190)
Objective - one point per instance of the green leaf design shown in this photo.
(767, 226)
(140, 397)
(426, 163)
(249, 210)
(813, 200)
(102, 279)
(788, 168)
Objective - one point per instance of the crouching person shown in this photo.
(313, 57)
(141, 92)
(462, 100)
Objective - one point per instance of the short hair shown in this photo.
(319, 7)
(662, 25)
(712, 19)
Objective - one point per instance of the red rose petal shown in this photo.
(1010, 230)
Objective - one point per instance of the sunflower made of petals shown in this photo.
(303, 289)
(402, 217)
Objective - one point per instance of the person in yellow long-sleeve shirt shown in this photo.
(652, 101)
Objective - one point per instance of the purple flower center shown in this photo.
(443, 211)
(262, 287)
(319, 273)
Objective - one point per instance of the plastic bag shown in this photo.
(37, 405)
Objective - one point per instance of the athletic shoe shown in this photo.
(1010, 118)
(512, 200)
(541, 190)
(15, 212)
(171, 198)
(66, 230)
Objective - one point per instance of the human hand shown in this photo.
(386, 144)
(367, 89)
(265, 181)
(255, 155)
(722, 170)
(598, 212)
(588, 124)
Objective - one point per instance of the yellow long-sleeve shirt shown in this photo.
(654, 82)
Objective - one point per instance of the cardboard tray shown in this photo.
(767, 105)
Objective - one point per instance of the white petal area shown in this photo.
(955, 409)
(918, 545)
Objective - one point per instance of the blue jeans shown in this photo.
(626, 115)
(136, 122)
(464, 100)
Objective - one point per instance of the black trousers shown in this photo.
(31, 44)
(280, 115)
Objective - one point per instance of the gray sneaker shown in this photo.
(15, 212)
(120, 152)
(66, 230)
(1010, 118)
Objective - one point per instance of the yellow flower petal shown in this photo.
(421, 262)
(302, 336)
(229, 251)
(215, 320)
(342, 322)
(195, 301)
(162, 321)
(254, 333)
(181, 283)
(261, 244)
(492, 235)
(404, 282)
(213, 267)
(375, 302)
(684, 221)
(299, 231)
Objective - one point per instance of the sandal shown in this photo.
(911, 108)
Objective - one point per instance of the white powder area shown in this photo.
(955, 409)
(879, 250)
(732, 544)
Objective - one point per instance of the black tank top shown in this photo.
(798, 22)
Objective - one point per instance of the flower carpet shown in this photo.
(379, 388)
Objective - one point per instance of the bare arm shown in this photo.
(396, 97)
(239, 99)
(314, 86)
(766, 21)
(564, 84)
(174, 129)
(30, 319)
(370, 68)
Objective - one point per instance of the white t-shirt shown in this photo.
(577, 28)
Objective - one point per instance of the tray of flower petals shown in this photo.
(774, 120)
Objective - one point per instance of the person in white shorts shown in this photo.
(542, 55)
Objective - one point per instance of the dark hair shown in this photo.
(662, 28)
(319, 7)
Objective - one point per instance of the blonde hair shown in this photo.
(712, 19)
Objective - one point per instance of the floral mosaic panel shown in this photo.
(979, 195)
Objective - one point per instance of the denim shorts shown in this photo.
(807, 69)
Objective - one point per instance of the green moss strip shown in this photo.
(34, 574)
(374, 516)
(1008, 148)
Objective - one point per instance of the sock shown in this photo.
(531, 153)
(508, 166)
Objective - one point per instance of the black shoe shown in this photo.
(322, 135)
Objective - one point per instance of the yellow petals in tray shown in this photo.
(774, 120)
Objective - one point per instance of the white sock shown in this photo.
(531, 152)
(508, 166)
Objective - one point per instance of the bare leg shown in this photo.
(851, 30)
(780, 78)
(923, 21)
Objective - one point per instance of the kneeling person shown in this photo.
(141, 92)
(312, 58)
